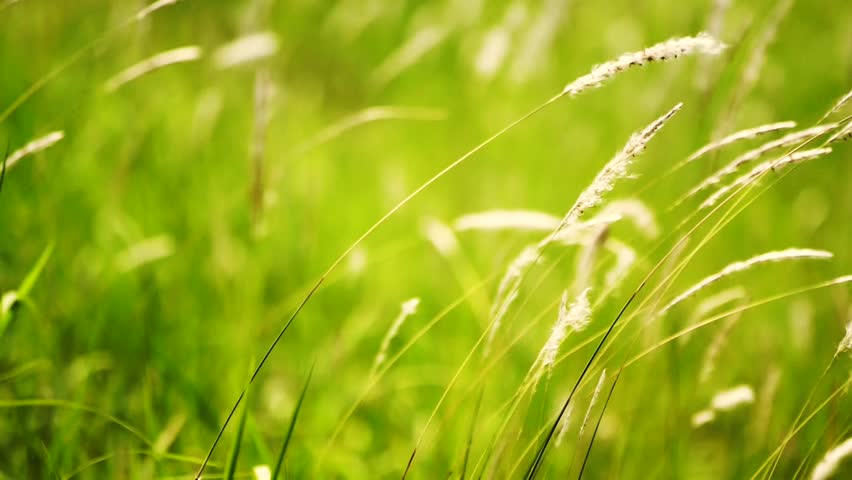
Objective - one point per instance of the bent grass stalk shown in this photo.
(674, 48)
(746, 187)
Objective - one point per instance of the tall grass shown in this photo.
(278, 184)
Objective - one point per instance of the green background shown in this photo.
(172, 341)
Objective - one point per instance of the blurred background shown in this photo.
(188, 209)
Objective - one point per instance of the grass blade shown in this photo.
(231, 468)
(3, 167)
(280, 462)
(470, 435)
(35, 272)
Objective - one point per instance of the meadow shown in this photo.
(448, 239)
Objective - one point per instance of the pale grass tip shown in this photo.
(593, 401)
(756, 153)
(703, 417)
(160, 60)
(637, 212)
(508, 290)
(144, 252)
(827, 467)
(407, 309)
(441, 236)
(564, 424)
(245, 49)
(523, 220)
(261, 472)
(153, 7)
(34, 146)
(740, 266)
(667, 50)
(617, 168)
(846, 343)
(758, 170)
(575, 316)
(732, 398)
(746, 134)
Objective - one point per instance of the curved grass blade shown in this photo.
(598, 424)
(280, 462)
(381, 221)
(747, 188)
(674, 48)
(9, 300)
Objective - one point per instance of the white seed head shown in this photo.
(757, 171)
(843, 134)
(262, 472)
(34, 146)
(616, 169)
(509, 288)
(846, 342)
(637, 212)
(769, 257)
(407, 309)
(574, 317)
(564, 424)
(827, 467)
(668, 50)
(156, 62)
(703, 417)
(746, 134)
(593, 401)
(756, 153)
(730, 399)
(523, 220)
(625, 257)
(248, 48)
(720, 299)
(153, 8)
(840, 103)
(441, 236)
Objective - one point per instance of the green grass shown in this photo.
(145, 258)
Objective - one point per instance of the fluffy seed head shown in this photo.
(407, 309)
(593, 401)
(769, 257)
(670, 49)
(616, 169)
(636, 211)
(754, 154)
(160, 60)
(246, 49)
(526, 220)
(827, 467)
(703, 417)
(730, 399)
(757, 171)
(34, 146)
(846, 343)
(738, 136)
(575, 317)
(153, 8)
(508, 290)
(441, 236)
(625, 257)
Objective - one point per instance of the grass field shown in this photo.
(317, 204)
